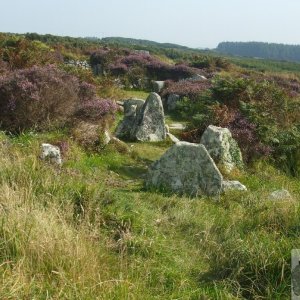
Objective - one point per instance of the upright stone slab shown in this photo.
(149, 123)
(222, 147)
(131, 109)
(186, 168)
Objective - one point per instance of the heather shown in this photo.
(191, 89)
(46, 97)
(135, 65)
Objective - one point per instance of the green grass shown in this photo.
(89, 230)
(266, 65)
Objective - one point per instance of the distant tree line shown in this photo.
(261, 50)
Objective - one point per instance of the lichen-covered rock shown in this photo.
(222, 147)
(280, 195)
(51, 153)
(143, 120)
(185, 168)
(131, 109)
(158, 86)
(150, 121)
(172, 101)
(232, 185)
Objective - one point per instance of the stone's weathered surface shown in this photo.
(222, 147)
(280, 195)
(150, 121)
(130, 103)
(51, 153)
(157, 86)
(172, 101)
(143, 120)
(131, 109)
(173, 138)
(233, 185)
(185, 168)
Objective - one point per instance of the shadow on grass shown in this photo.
(130, 171)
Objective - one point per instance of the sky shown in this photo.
(193, 23)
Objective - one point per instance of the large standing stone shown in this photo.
(131, 109)
(150, 121)
(222, 147)
(186, 168)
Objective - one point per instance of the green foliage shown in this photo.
(261, 50)
(20, 53)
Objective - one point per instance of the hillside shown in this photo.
(91, 228)
(261, 50)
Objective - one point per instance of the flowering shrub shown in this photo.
(118, 68)
(123, 62)
(190, 89)
(246, 135)
(96, 109)
(43, 97)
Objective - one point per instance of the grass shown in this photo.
(265, 65)
(90, 231)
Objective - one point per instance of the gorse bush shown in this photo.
(19, 53)
(43, 97)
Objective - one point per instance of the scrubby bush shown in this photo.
(211, 63)
(261, 115)
(120, 62)
(19, 53)
(96, 109)
(40, 97)
(190, 89)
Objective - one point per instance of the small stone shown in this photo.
(233, 185)
(52, 153)
(280, 195)
(158, 86)
(106, 138)
(172, 101)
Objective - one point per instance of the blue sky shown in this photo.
(195, 23)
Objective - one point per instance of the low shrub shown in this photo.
(43, 97)
(120, 62)
(190, 89)
(20, 53)
(96, 109)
